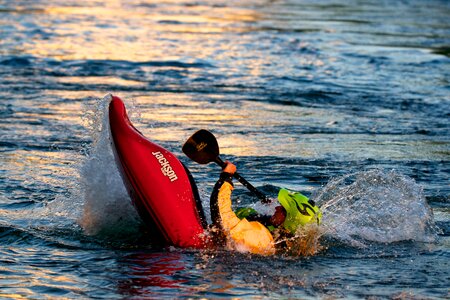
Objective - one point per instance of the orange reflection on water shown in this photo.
(12, 296)
(30, 279)
(239, 145)
(48, 163)
(160, 114)
(100, 80)
(134, 31)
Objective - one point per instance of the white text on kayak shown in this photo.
(166, 168)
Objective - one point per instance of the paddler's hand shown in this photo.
(229, 168)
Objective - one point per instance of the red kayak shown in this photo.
(160, 186)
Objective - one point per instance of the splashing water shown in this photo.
(357, 208)
(376, 206)
(107, 208)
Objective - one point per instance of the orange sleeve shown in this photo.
(242, 235)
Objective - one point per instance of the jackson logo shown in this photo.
(166, 168)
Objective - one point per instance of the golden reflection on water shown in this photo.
(135, 31)
(12, 296)
(197, 115)
(145, 31)
(167, 118)
(100, 80)
(36, 277)
(159, 109)
(40, 166)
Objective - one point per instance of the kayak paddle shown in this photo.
(202, 147)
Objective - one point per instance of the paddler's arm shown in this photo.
(246, 236)
(224, 184)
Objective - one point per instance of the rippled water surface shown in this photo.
(347, 101)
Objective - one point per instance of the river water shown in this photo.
(346, 101)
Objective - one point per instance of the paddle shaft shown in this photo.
(248, 185)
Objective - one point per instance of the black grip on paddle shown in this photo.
(244, 182)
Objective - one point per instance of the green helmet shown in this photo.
(299, 210)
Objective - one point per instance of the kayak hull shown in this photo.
(160, 186)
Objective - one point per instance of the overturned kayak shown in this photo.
(160, 186)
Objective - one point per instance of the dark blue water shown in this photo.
(347, 101)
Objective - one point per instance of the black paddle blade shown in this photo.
(202, 147)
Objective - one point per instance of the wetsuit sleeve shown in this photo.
(214, 203)
(241, 235)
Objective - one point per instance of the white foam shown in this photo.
(107, 208)
(377, 205)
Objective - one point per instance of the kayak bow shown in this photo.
(160, 186)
